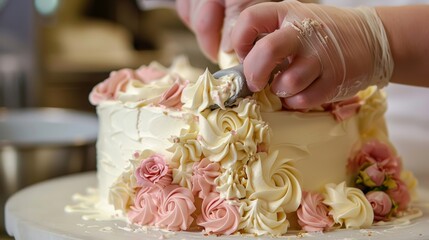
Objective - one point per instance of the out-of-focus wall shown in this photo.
(76, 46)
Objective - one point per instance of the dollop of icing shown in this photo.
(228, 136)
(268, 101)
(153, 170)
(257, 218)
(144, 210)
(274, 180)
(218, 216)
(203, 180)
(208, 91)
(110, 88)
(348, 205)
(230, 184)
(175, 207)
(313, 215)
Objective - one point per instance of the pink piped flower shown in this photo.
(400, 195)
(172, 97)
(345, 109)
(175, 207)
(203, 179)
(217, 216)
(110, 88)
(373, 176)
(313, 214)
(153, 171)
(145, 210)
(378, 153)
(381, 204)
(148, 74)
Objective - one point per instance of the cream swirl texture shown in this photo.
(349, 206)
(268, 101)
(274, 180)
(208, 91)
(218, 216)
(176, 205)
(258, 219)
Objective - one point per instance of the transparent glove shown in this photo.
(333, 52)
(212, 22)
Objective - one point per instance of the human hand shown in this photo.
(333, 52)
(212, 22)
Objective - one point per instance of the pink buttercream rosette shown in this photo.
(313, 214)
(117, 82)
(203, 179)
(176, 205)
(218, 216)
(158, 202)
(153, 171)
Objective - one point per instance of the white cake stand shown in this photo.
(37, 213)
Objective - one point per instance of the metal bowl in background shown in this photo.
(43, 143)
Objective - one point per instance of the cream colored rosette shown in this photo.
(371, 114)
(274, 180)
(348, 206)
(268, 101)
(257, 218)
(186, 151)
(232, 182)
(229, 135)
(208, 91)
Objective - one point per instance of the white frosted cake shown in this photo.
(168, 159)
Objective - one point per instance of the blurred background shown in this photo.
(52, 52)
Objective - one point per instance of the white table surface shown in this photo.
(37, 212)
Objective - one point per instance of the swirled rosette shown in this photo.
(186, 148)
(203, 179)
(208, 91)
(227, 138)
(313, 215)
(267, 100)
(348, 205)
(144, 210)
(175, 207)
(258, 219)
(275, 181)
(231, 183)
(218, 216)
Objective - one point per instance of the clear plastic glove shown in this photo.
(333, 52)
(212, 22)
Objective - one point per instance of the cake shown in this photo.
(170, 155)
